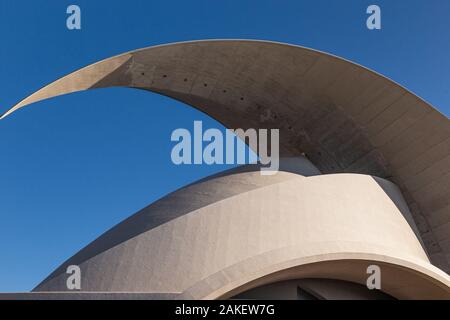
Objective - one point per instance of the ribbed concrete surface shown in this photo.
(343, 116)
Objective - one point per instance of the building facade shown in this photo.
(364, 181)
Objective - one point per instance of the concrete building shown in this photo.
(364, 180)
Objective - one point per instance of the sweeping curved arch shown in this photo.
(345, 117)
(406, 279)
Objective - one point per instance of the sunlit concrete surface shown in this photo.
(383, 195)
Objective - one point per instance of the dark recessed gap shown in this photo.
(224, 91)
(242, 98)
(143, 73)
(205, 84)
(185, 79)
(165, 76)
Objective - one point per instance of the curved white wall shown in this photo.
(268, 224)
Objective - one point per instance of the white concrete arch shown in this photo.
(345, 118)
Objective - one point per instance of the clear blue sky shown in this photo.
(76, 165)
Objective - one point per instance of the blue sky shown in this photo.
(76, 165)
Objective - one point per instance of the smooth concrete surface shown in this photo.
(230, 233)
(345, 117)
(401, 279)
(79, 295)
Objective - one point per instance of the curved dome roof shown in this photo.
(344, 117)
(229, 233)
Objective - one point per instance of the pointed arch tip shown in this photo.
(7, 113)
(115, 62)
